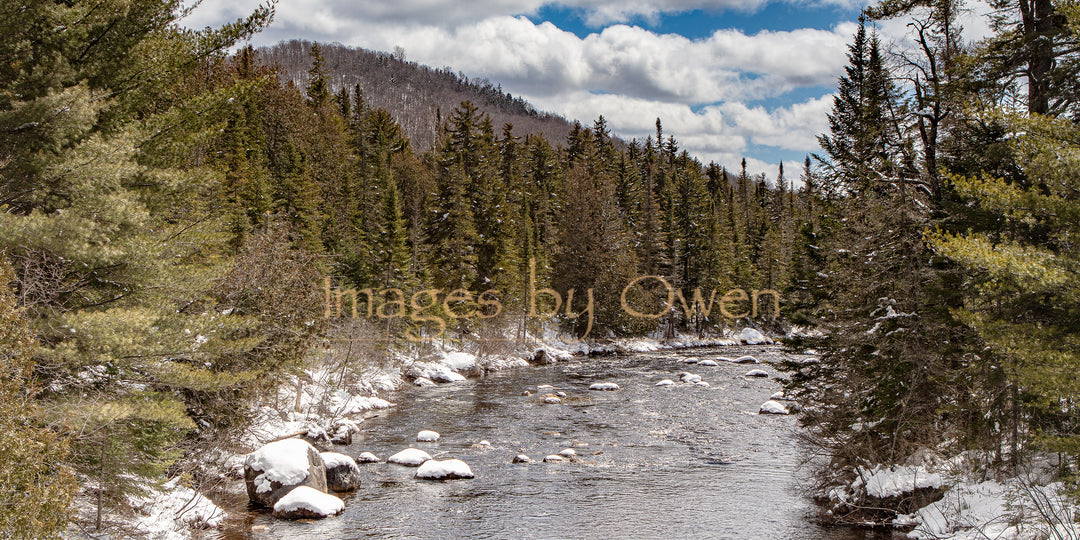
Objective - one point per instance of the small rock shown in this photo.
(449, 469)
(702, 384)
(410, 457)
(424, 381)
(568, 452)
(560, 394)
(689, 377)
(367, 457)
(545, 387)
(710, 363)
(552, 399)
(690, 360)
(777, 396)
(756, 373)
(552, 434)
(305, 502)
(427, 436)
(554, 458)
(522, 458)
(579, 444)
(746, 360)
(772, 407)
(666, 382)
(604, 386)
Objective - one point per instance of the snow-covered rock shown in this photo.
(342, 473)
(568, 453)
(552, 399)
(772, 407)
(423, 382)
(608, 386)
(554, 458)
(545, 387)
(275, 469)
(427, 436)
(757, 373)
(778, 396)
(690, 360)
(689, 377)
(307, 503)
(542, 358)
(460, 361)
(169, 513)
(665, 382)
(708, 362)
(367, 457)
(702, 384)
(751, 336)
(522, 458)
(746, 360)
(886, 482)
(410, 457)
(448, 469)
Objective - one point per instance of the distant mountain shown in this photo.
(414, 94)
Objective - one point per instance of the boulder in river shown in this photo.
(278, 467)
(689, 377)
(305, 502)
(757, 373)
(772, 407)
(342, 473)
(522, 458)
(542, 358)
(666, 382)
(410, 457)
(568, 453)
(424, 382)
(448, 469)
(708, 362)
(608, 386)
(746, 360)
(554, 458)
(367, 457)
(427, 436)
(751, 336)
(552, 399)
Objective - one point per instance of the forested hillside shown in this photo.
(417, 96)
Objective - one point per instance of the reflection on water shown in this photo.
(653, 462)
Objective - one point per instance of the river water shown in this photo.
(653, 462)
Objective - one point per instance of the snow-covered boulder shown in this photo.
(690, 360)
(689, 377)
(772, 407)
(554, 458)
(367, 457)
(885, 482)
(423, 382)
(757, 373)
(778, 396)
(751, 336)
(702, 384)
(522, 458)
(410, 457)
(552, 399)
(275, 469)
(447, 469)
(568, 453)
(608, 386)
(665, 382)
(342, 473)
(746, 360)
(308, 503)
(708, 362)
(542, 358)
(427, 436)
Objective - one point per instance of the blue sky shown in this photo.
(728, 78)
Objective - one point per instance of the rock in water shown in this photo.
(275, 469)
(367, 457)
(604, 386)
(342, 473)
(710, 363)
(522, 458)
(427, 436)
(410, 457)
(689, 378)
(568, 453)
(542, 358)
(552, 399)
(745, 360)
(757, 373)
(449, 469)
(772, 407)
(554, 458)
(307, 503)
(424, 381)
(666, 382)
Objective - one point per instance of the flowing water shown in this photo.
(653, 462)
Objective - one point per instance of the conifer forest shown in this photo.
(188, 223)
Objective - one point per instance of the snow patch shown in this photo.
(882, 483)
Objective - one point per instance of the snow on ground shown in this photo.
(173, 511)
(311, 500)
(991, 509)
(884, 482)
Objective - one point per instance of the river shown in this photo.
(674, 462)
